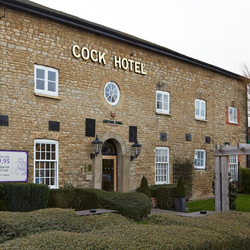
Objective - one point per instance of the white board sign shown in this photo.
(13, 166)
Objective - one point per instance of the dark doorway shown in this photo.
(109, 166)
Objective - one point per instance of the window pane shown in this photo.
(40, 84)
(159, 97)
(51, 76)
(165, 98)
(53, 156)
(202, 105)
(159, 105)
(38, 155)
(165, 106)
(40, 73)
(52, 86)
(43, 156)
(42, 147)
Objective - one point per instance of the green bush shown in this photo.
(245, 180)
(132, 205)
(164, 195)
(26, 196)
(144, 188)
(180, 191)
(63, 198)
(63, 229)
(3, 199)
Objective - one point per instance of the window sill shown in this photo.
(161, 183)
(159, 113)
(48, 96)
(200, 120)
(199, 168)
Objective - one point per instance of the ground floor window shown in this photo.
(46, 162)
(233, 167)
(161, 165)
(200, 159)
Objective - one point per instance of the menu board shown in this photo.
(13, 166)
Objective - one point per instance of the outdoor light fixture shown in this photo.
(136, 150)
(97, 145)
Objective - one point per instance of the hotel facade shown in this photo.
(64, 80)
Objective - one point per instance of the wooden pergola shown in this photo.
(221, 166)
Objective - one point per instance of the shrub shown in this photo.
(3, 199)
(144, 188)
(132, 205)
(63, 229)
(180, 191)
(26, 196)
(164, 195)
(245, 180)
(63, 198)
(135, 205)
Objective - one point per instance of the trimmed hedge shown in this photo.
(63, 229)
(3, 199)
(26, 197)
(245, 180)
(132, 205)
(164, 195)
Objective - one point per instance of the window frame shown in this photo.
(201, 167)
(162, 163)
(234, 115)
(199, 116)
(162, 110)
(45, 91)
(56, 160)
(233, 164)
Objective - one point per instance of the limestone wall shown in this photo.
(27, 40)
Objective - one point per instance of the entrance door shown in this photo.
(109, 173)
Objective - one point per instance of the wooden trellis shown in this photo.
(221, 166)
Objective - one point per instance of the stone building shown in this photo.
(64, 80)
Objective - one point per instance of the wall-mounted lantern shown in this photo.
(136, 147)
(97, 145)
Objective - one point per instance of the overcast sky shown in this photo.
(214, 31)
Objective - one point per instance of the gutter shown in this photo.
(36, 9)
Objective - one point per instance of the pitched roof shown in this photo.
(58, 16)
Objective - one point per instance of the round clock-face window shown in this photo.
(112, 93)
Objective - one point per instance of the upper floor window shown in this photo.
(161, 165)
(233, 167)
(162, 102)
(112, 93)
(200, 159)
(200, 109)
(46, 162)
(46, 80)
(233, 115)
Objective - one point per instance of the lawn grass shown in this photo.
(242, 204)
(194, 206)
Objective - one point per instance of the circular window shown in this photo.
(112, 93)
